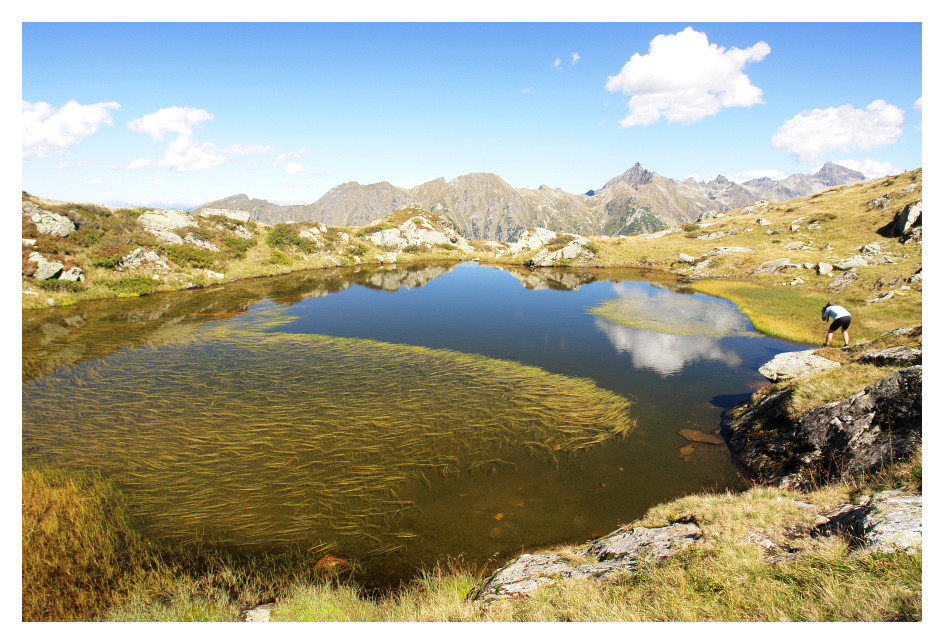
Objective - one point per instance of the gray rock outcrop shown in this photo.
(899, 356)
(786, 366)
(620, 552)
(774, 266)
(50, 223)
(857, 435)
(45, 269)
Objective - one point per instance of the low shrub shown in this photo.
(131, 285)
(61, 285)
(194, 256)
(237, 246)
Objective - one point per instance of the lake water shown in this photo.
(398, 415)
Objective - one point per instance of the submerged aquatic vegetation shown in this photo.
(252, 438)
(675, 316)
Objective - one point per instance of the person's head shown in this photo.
(830, 303)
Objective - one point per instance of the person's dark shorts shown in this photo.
(843, 322)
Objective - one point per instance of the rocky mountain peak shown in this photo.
(836, 175)
(636, 176)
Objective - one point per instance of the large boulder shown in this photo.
(45, 269)
(786, 366)
(532, 239)
(573, 251)
(856, 435)
(620, 552)
(908, 217)
(50, 223)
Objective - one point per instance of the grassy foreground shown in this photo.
(756, 562)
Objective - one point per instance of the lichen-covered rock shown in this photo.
(45, 269)
(844, 280)
(857, 435)
(774, 266)
(573, 251)
(620, 552)
(532, 240)
(50, 223)
(785, 366)
(893, 524)
(900, 356)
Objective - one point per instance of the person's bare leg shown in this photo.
(845, 337)
(829, 338)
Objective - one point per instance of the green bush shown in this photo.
(54, 284)
(358, 249)
(237, 246)
(131, 285)
(280, 258)
(691, 227)
(194, 256)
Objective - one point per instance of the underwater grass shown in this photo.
(674, 316)
(256, 439)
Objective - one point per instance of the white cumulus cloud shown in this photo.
(179, 120)
(294, 167)
(574, 57)
(48, 131)
(870, 168)
(812, 133)
(187, 155)
(685, 78)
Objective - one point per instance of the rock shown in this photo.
(260, 613)
(796, 281)
(786, 366)
(686, 259)
(854, 436)
(45, 269)
(725, 250)
(190, 239)
(879, 203)
(893, 523)
(900, 356)
(851, 262)
(915, 278)
(696, 436)
(50, 223)
(913, 235)
(871, 249)
(74, 274)
(213, 274)
(574, 250)
(774, 266)
(882, 298)
(715, 235)
(27, 243)
(843, 281)
(620, 552)
(763, 222)
(159, 220)
(907, 217)
(822, 268)
(795, 245)
(387, 258)
(794, 228)
(879, 259)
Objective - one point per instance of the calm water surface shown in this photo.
(535, 318)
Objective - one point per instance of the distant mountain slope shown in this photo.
(484, 206)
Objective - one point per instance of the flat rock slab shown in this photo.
(622, 551)
(696, 436)
(894, 524)
(785, 366)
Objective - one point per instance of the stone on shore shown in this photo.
(786, 366)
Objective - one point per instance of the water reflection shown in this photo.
(665, 354)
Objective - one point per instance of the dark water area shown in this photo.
(521, 317)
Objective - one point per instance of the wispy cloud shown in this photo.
(741, 177)
(685, 78)
(527, 90)
(556, 64)
(50, 131)
(812, 133)
(574, 57)
(179, 120)
(65, 165)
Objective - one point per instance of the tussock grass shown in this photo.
(813, 390)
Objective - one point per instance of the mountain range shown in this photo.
(483, 206)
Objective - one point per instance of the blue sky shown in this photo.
(186, 113)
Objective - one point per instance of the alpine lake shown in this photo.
(395, 416)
